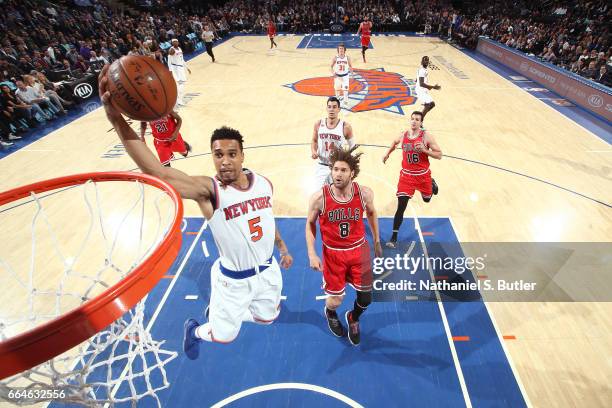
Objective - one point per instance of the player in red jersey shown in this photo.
(365, 29)
(272, 33)
(166, 137)
(417, 146)
(340, 209)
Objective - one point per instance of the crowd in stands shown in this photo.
(39, 39)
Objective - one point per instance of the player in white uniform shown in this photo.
(342, 68)
(245, 280)
(422, 87)
(177, 65)
(329, 133)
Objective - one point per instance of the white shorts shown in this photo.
(322, 176)
(341, 83)
(179, 73)
(231, 298)
(424, 97)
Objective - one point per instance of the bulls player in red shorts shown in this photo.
(418, 145)
(365, 29)
(166, 137)
(272, 33)
(340, 208)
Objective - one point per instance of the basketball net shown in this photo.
(126, 222)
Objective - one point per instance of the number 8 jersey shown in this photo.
(243, 224)
(341, 222)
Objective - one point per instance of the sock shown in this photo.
(330, 313)
(394, 236)
(357, 311)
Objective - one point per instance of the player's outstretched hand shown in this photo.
(315, 263)
(385, 158)
(105, 96)
(286, 261)
(437, 87)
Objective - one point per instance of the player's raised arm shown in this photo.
(394, 144)
(314, 208)
(368, 197)
(195, 188)
(143, 130)
(314, 142)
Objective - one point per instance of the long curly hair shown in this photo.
(344, 155)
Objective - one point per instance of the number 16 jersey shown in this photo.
(341, 222)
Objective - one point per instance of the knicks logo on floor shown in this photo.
(370, 89)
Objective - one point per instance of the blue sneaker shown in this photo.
(191, 344)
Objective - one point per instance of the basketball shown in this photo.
(141, 88)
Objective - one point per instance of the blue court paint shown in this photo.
(404, 358)
(332, 41)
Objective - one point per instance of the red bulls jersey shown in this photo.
(341, 222)
(414, 163)
(163, 128)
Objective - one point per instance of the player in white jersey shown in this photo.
(329, 133)
(245, 280)
(341, 68)
(177, 65)
(422, 87)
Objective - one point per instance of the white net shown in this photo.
(80, 241)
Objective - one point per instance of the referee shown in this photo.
(208, 36)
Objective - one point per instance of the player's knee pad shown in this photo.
(364, 298)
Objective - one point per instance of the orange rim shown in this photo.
(56, 336)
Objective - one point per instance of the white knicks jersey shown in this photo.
(341, 66)
(329, 139)
(421, 73)
(243, 224)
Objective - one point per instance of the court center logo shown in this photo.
(370, 89)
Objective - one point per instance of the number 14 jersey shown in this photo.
(329, 139)
(341, 222)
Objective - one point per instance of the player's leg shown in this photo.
(180, 87)
(179, 145)
(164, 152)
(334, 268)
(345, 88)
(338, 87)
(428, 104)
(265, 306)
(405, 191)
(229, 299)
(360, 277)
(363, 51)
(426, 187)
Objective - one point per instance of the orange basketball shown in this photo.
(141, 87)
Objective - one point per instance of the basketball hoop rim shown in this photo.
(35, 346)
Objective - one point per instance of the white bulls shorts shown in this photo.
(231, 298)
